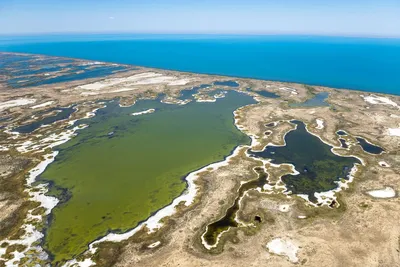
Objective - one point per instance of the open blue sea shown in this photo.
(368, 64)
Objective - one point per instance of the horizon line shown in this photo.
(370, 36)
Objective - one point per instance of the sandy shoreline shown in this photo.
(37, 193)
(153, 223)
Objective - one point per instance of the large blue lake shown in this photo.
(355, 63)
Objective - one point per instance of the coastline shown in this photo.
(189, 194)
(234, 77)
(240, 72)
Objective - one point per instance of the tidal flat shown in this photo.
(115, 182)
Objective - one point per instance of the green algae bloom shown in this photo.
(123, 168)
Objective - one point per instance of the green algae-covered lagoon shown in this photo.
(123, 168)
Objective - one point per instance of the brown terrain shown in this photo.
(360, 231)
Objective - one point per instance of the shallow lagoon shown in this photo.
(343, 143)
(226, 83)
(263, 93)
(215, 229)
(114, 183)
(368, 147)
(33, 70)
(188, 93)
(317, 101)
(319, 169)
(62, 114)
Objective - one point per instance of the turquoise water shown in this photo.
(356, 63)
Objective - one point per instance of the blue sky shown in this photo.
(340, 17)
